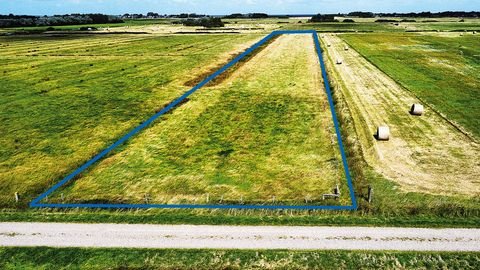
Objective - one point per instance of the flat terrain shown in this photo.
(64, 99)
(442, 69)
(264, 135)
(237, 237)
(425, 154)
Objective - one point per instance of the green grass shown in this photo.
(64, 99)
(443, 71)
(81, 258)
(250, 140)
(42, 139)
(388, 198)
(396, 218)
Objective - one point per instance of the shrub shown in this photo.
(348, 21)
(322, 18)
(205, 22)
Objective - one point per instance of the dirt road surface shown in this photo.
(237, 237)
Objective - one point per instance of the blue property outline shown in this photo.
(36, 201)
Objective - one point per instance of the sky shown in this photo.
(222, 7)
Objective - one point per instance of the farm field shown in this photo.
(441, 69)
(249, 139)
(433, 165)
(420, 147)
(64, 99)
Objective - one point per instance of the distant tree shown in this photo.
(257, 15)
(205, 22)
(235, 16)
(361, 14)
(56, 20)
(152, 15)
(322, 18)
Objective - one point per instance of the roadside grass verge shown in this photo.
(395, 218)
(441, 71)
(64, 99)
(116, 258)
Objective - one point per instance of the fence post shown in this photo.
(146, 197)
(370, 194)
(17, 198)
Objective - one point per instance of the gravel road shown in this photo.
(237, 237)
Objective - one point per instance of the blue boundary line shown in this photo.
(36, 201)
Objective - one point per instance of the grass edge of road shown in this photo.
(237, 217)
(119, 258)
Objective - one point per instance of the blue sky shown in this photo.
(219, 7)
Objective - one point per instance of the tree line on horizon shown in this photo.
(193, 19)
(56, 20)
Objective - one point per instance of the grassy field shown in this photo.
(77, 258)
(64, 99)
(249, 140)
(442, 70)
(415, 173)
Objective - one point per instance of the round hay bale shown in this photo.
(383, 133)
(346, 48)
(339, 61)
(329, 45)
(417, 109)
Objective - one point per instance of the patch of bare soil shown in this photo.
(425, 153)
